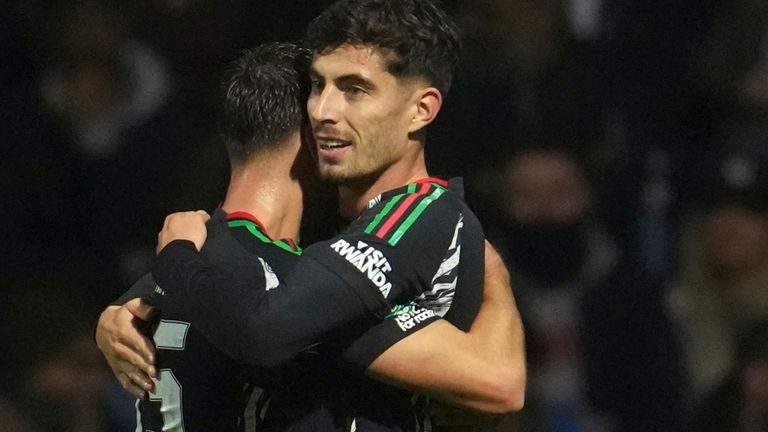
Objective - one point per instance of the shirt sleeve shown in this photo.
(143, 288)
(252, 325)
(440, 297)
(370, 345)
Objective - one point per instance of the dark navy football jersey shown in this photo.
(453, 291)
(443, 255)
(200, 388)
(413, 256)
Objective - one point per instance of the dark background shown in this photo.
(107, 123)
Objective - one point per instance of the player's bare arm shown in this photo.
(483, 369)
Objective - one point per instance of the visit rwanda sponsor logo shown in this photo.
(368, 260)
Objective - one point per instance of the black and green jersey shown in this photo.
(415, 254)
(426, 231)
(405, 256)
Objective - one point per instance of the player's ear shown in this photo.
(427, 102)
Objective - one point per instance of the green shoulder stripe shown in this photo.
(420, 207)
(401, 211)
(254, 229)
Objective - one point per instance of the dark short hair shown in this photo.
(264, 98)
(419, 37)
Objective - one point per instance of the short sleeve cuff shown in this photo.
(368, 347)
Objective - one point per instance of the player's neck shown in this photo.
(271, 194)
(354, 196)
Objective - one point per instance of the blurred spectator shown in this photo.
(722, 288)
(524, 75)
(93, 136)
(601, 352)
(740, 402)
(71, 390)
(658, 149)
(51, 366)
(117, 136)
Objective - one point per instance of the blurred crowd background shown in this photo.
(616, 151)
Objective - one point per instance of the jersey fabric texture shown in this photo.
(200, 388)
(415, 254)
(431, 234)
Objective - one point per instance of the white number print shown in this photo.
(168, 393)
(170, 335)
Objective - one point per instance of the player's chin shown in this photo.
(333, 175)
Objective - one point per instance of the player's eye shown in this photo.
(355, 92)
(316, 85)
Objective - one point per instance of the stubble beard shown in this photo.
(349, 178)
(330, 174)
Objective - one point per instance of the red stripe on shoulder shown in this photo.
(246, 216)
(398, 214)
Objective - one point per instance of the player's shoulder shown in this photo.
(237, 241)
(423, 207)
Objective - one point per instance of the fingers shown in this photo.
(129, 343)
(129, 383)
(200, 215)
(203, 215)
(127, 351)
(184, 226)
(131, 378)
(130, 387)
(141, 310)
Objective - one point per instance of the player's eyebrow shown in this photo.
(349, 80)
(346, 80)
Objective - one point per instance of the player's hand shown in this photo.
(189, 225)
(128, 352)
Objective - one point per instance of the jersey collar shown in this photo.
(254, 225)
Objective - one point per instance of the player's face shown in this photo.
(360, 113)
